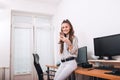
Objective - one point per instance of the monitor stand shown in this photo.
(110, 58)
(100, 57)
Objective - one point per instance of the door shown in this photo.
(30, 34)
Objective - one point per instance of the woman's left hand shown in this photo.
(66, 40)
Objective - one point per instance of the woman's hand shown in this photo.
(65, 39)
(68, 42)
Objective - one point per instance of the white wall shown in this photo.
(90, 19)
(34, 6)
(4, 37)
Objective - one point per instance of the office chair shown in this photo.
(38, 67)
(40, 71)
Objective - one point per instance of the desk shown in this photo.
(91, 72)
(96, 73)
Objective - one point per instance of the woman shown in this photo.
(68, 51)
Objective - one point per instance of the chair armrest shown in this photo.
(51, 69)
(52, 66)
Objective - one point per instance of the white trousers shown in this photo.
(65, 69)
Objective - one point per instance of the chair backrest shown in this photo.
(82, 55)
(37, 66)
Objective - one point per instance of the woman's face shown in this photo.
(65, 28)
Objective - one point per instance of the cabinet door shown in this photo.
(44, 48)
(44, 41)
(22, 48)
(30, 35)
(22, 53)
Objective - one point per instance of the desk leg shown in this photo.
(95, 78)
(3, 74)
(48, 78)
(91, 78)
(72, 76)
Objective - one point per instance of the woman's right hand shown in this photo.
(65, 39)
(61, 36)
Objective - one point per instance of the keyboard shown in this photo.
(114, 71)
(107, 67)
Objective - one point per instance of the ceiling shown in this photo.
(52, 2)
(47, 2)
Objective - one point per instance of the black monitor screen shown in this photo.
(107, 46)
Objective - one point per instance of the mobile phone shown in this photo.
(61, 33)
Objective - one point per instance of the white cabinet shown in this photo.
(30, 34)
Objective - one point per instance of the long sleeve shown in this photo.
(74, 50)
(70, 53)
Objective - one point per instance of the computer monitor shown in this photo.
(82, 55)
(107, 46)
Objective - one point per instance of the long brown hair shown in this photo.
(71, 34)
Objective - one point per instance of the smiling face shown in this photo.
(65, 28)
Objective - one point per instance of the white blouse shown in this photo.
(71, 53)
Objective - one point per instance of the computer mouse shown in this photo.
(115, 72)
